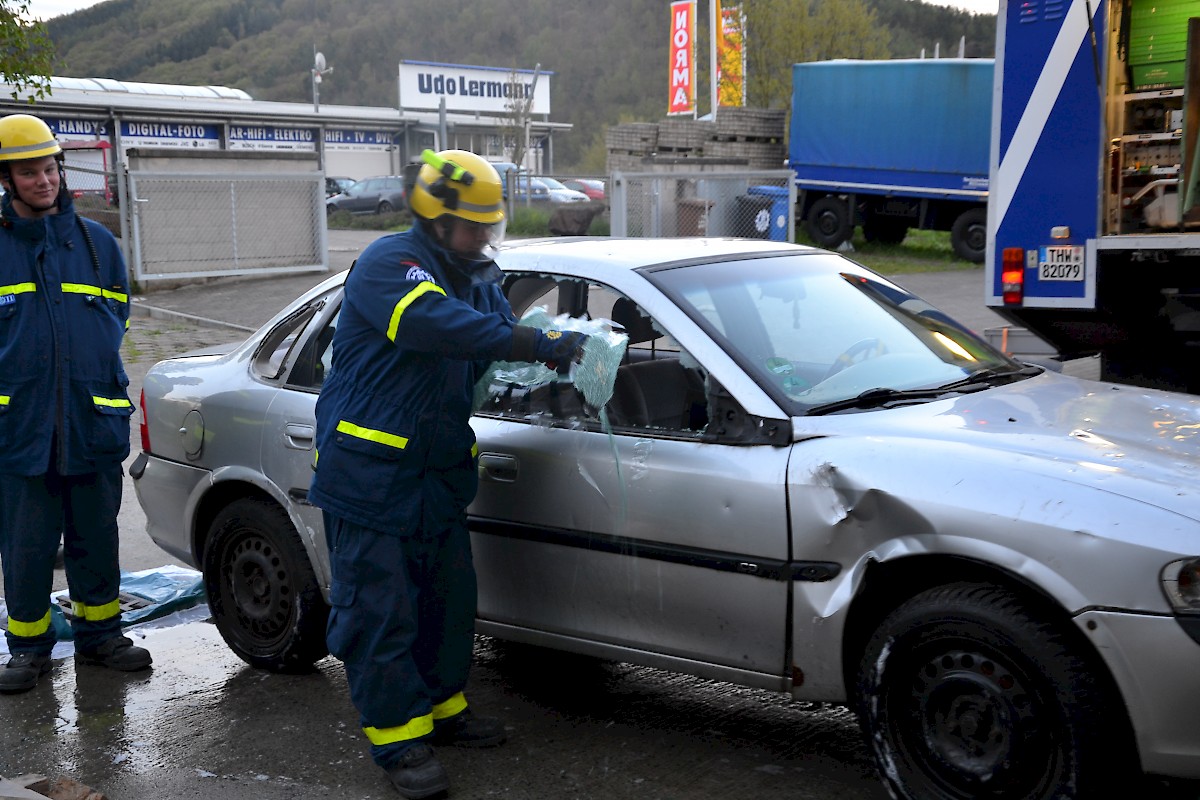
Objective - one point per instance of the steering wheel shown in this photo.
(860, 351)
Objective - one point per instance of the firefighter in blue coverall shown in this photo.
(422, 318)
(64, 411)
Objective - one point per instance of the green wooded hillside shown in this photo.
(609, 61)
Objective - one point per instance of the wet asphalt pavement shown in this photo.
(202, 724)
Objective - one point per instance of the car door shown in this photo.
(645, 538)
(289, 424)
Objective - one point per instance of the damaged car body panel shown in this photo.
(805, 480)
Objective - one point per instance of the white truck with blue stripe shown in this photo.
(1094, 214)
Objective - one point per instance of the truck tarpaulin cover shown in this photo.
(923, 122)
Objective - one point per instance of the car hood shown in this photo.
(1137, 443)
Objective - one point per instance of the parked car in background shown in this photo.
(807, 480)
(379, 195)
(527, 189)
(560, 193)
(592, 187)
(336, 185)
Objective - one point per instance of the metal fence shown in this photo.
(749, 204)
(190, 225)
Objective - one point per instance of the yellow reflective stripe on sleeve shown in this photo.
(422, 288)
(413, 729)
(5, 399)
(95, 291)
(96, 613)
(448, 708)
(475, 450)
(18, 288)
(119, 402)
(18, 628)
(390, 439)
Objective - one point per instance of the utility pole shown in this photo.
(318, 69)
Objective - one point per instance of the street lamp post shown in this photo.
(318, 69)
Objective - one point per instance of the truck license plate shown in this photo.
(1060, 263)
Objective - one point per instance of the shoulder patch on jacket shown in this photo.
(416, 272)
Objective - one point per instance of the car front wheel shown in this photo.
(963, 692)
(262, 590)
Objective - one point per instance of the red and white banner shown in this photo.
(683, 58)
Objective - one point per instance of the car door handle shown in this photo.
(299, 437)
(498, 467)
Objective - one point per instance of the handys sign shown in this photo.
(683, 58)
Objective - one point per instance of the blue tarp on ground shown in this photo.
(146, 595)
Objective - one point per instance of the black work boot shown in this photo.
(22, 671)
(418, 773)
(119, 652)
(467, 730)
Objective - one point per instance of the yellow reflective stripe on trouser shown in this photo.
(18, 288)
(422, 288)
(456, 704)
(5, 399)
(110, 402)
(413, 729)
(96, 613)
(18, 628)
(372, 435)
(95, 291)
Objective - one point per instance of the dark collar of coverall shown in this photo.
(35, 229)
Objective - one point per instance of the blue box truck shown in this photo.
(1094, 214)
(893, 145)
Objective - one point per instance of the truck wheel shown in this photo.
(964, 692)
(262, 590)
(884, 230)
(829, 222)
(968, 236)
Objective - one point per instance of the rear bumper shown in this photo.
(168, 492)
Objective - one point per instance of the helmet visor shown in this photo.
(475, 241)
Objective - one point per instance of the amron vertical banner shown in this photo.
(683, 58)
(731, 57)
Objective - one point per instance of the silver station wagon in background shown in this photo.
(807, 480)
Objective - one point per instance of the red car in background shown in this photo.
(592, 187)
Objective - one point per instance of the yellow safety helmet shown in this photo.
(24, 136)
(458, 183)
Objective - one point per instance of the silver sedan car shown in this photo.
(807, 480)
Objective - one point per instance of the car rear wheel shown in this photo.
(385, 207)
(262, 590)
(963, 692)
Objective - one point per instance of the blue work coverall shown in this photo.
(64, 422)
(395, 471)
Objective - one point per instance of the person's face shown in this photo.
(467, 239)
(34, 186)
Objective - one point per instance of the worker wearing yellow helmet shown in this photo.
(64, 301)
(423, 315)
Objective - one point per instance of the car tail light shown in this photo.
(144, 427)
(1012, 275)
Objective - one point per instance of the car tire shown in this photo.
(829, 222)
(385, 207)
(262, 590)
(963, 692)
(968, 235)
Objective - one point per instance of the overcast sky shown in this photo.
(45, 9)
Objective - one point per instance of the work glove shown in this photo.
(556, 349)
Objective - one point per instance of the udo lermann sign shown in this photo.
(492, 90)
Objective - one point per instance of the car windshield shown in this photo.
(817, 331)
(552, 183)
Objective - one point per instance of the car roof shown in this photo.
(625, 254)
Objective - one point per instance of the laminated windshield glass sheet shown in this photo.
(594, 375)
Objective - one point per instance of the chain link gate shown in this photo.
(751, 204)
